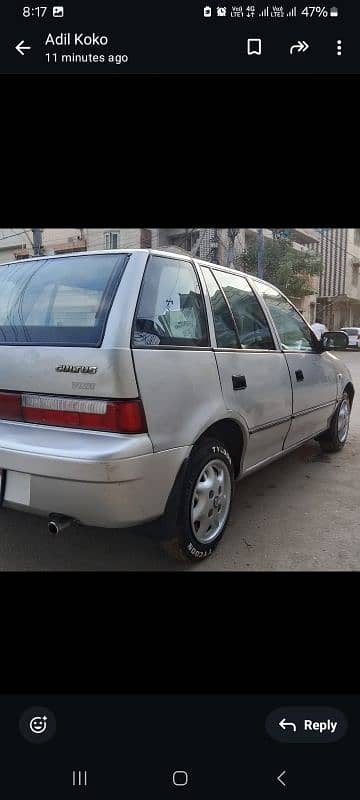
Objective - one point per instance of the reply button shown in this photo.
(299, 725)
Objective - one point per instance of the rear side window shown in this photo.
(171, 307)
(58, 301)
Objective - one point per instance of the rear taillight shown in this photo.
(116, 416)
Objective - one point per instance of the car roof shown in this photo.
(129, 250)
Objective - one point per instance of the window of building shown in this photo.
(355, 275)
(312, 312)
(186, 240)
(252, 327)
(112, 240)
(145, 237)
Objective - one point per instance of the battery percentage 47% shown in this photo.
(315, 11)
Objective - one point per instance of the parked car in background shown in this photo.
(139, 385)
(354, 336)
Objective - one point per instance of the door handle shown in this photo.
(299, 375)
(239, 382)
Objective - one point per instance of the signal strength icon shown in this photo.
(265, 12)
(292, 13)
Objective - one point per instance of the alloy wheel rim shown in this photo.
(343, 420)
(210, 502)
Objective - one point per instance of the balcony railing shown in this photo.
(67, 247)
(306, 235)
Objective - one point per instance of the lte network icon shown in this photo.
(221, 11)
(207, 11)
(58, 11)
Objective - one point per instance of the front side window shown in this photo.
(171, 307)
(58, 300)
(292, 329)
(252, 327)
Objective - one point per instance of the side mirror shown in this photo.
(334, 340)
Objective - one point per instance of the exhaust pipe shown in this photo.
(58, 522)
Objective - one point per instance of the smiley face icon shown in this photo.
(38, 724)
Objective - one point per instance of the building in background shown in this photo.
(301, 239)
(116, 238)
(211, 244)
(17, 243)
(338, 303)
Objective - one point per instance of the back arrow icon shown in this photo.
(20, 47)
(280, 776)
(301, 47)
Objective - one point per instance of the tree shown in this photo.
(289, 269)
(232, 234)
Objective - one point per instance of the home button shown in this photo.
(180, 778)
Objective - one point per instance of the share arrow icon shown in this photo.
(300, 47)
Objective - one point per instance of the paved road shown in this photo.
(300, 513)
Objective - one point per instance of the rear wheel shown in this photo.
(205, 503)
(334, 439)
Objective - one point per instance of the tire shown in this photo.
(189, 538)
(334, 439)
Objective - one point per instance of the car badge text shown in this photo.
(76, 368)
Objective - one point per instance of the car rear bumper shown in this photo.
(98, 479)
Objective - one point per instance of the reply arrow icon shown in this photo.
(283, 724)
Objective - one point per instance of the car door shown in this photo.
(314, 375)
(353, 336)
(253, 371)
(175, 367)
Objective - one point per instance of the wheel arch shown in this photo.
(230, 432)
(349, 388)
(227, 431)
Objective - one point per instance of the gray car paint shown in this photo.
(113, 480)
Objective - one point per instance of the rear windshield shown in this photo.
(58, 301)
(351, 331)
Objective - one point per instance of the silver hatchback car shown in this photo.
(138, 385)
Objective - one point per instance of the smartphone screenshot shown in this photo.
(181, 747)
(176, 397)
(162, 38)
